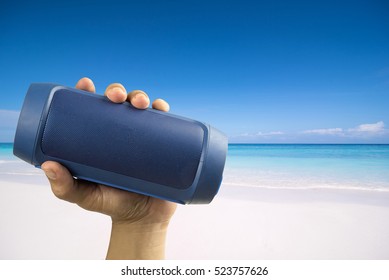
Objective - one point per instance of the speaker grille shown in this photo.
(142, 144)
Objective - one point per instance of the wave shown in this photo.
(313, 187)
(21, 174)
(10, 161)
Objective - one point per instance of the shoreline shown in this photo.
(306, 194)
(251, 192)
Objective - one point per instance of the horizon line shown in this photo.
(286, 143)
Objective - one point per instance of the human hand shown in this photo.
(130, 212)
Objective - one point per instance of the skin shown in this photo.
(139, 222)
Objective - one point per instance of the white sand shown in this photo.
(253, 223)
(241, 223)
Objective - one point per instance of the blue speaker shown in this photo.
(144, 151)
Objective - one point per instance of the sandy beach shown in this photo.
(241, 223)
(254, 223)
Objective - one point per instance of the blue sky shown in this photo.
(261, 71)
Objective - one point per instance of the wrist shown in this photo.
(137, 240)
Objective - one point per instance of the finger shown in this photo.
(86, 84)
(139, 99)
(160, 104)
(63, 185)
(116, 93)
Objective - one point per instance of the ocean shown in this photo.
(289, 166)
(301, 166)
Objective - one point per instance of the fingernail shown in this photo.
(50, 174)
(139, 95)
(116, 94)
(116, 89)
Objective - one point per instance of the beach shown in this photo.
(241, 223)
(249, 223)
(254, 219)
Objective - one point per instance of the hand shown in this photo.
(130, 212)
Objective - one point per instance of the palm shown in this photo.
(125, 206)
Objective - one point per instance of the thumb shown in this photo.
(63, 185)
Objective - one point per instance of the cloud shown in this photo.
(261, 134)
(269, 133)
(369, 128)
(362, 130)
(259, 137)
(363, 133)
(325, 131)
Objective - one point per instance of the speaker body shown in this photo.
(145, 151)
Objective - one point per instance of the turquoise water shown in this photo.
(14, 169)
(309, 166)
(293, 166)
(6, 151)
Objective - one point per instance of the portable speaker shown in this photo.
(145, 151)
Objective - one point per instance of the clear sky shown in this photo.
(261, 71)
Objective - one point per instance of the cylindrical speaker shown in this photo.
(144, 151)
